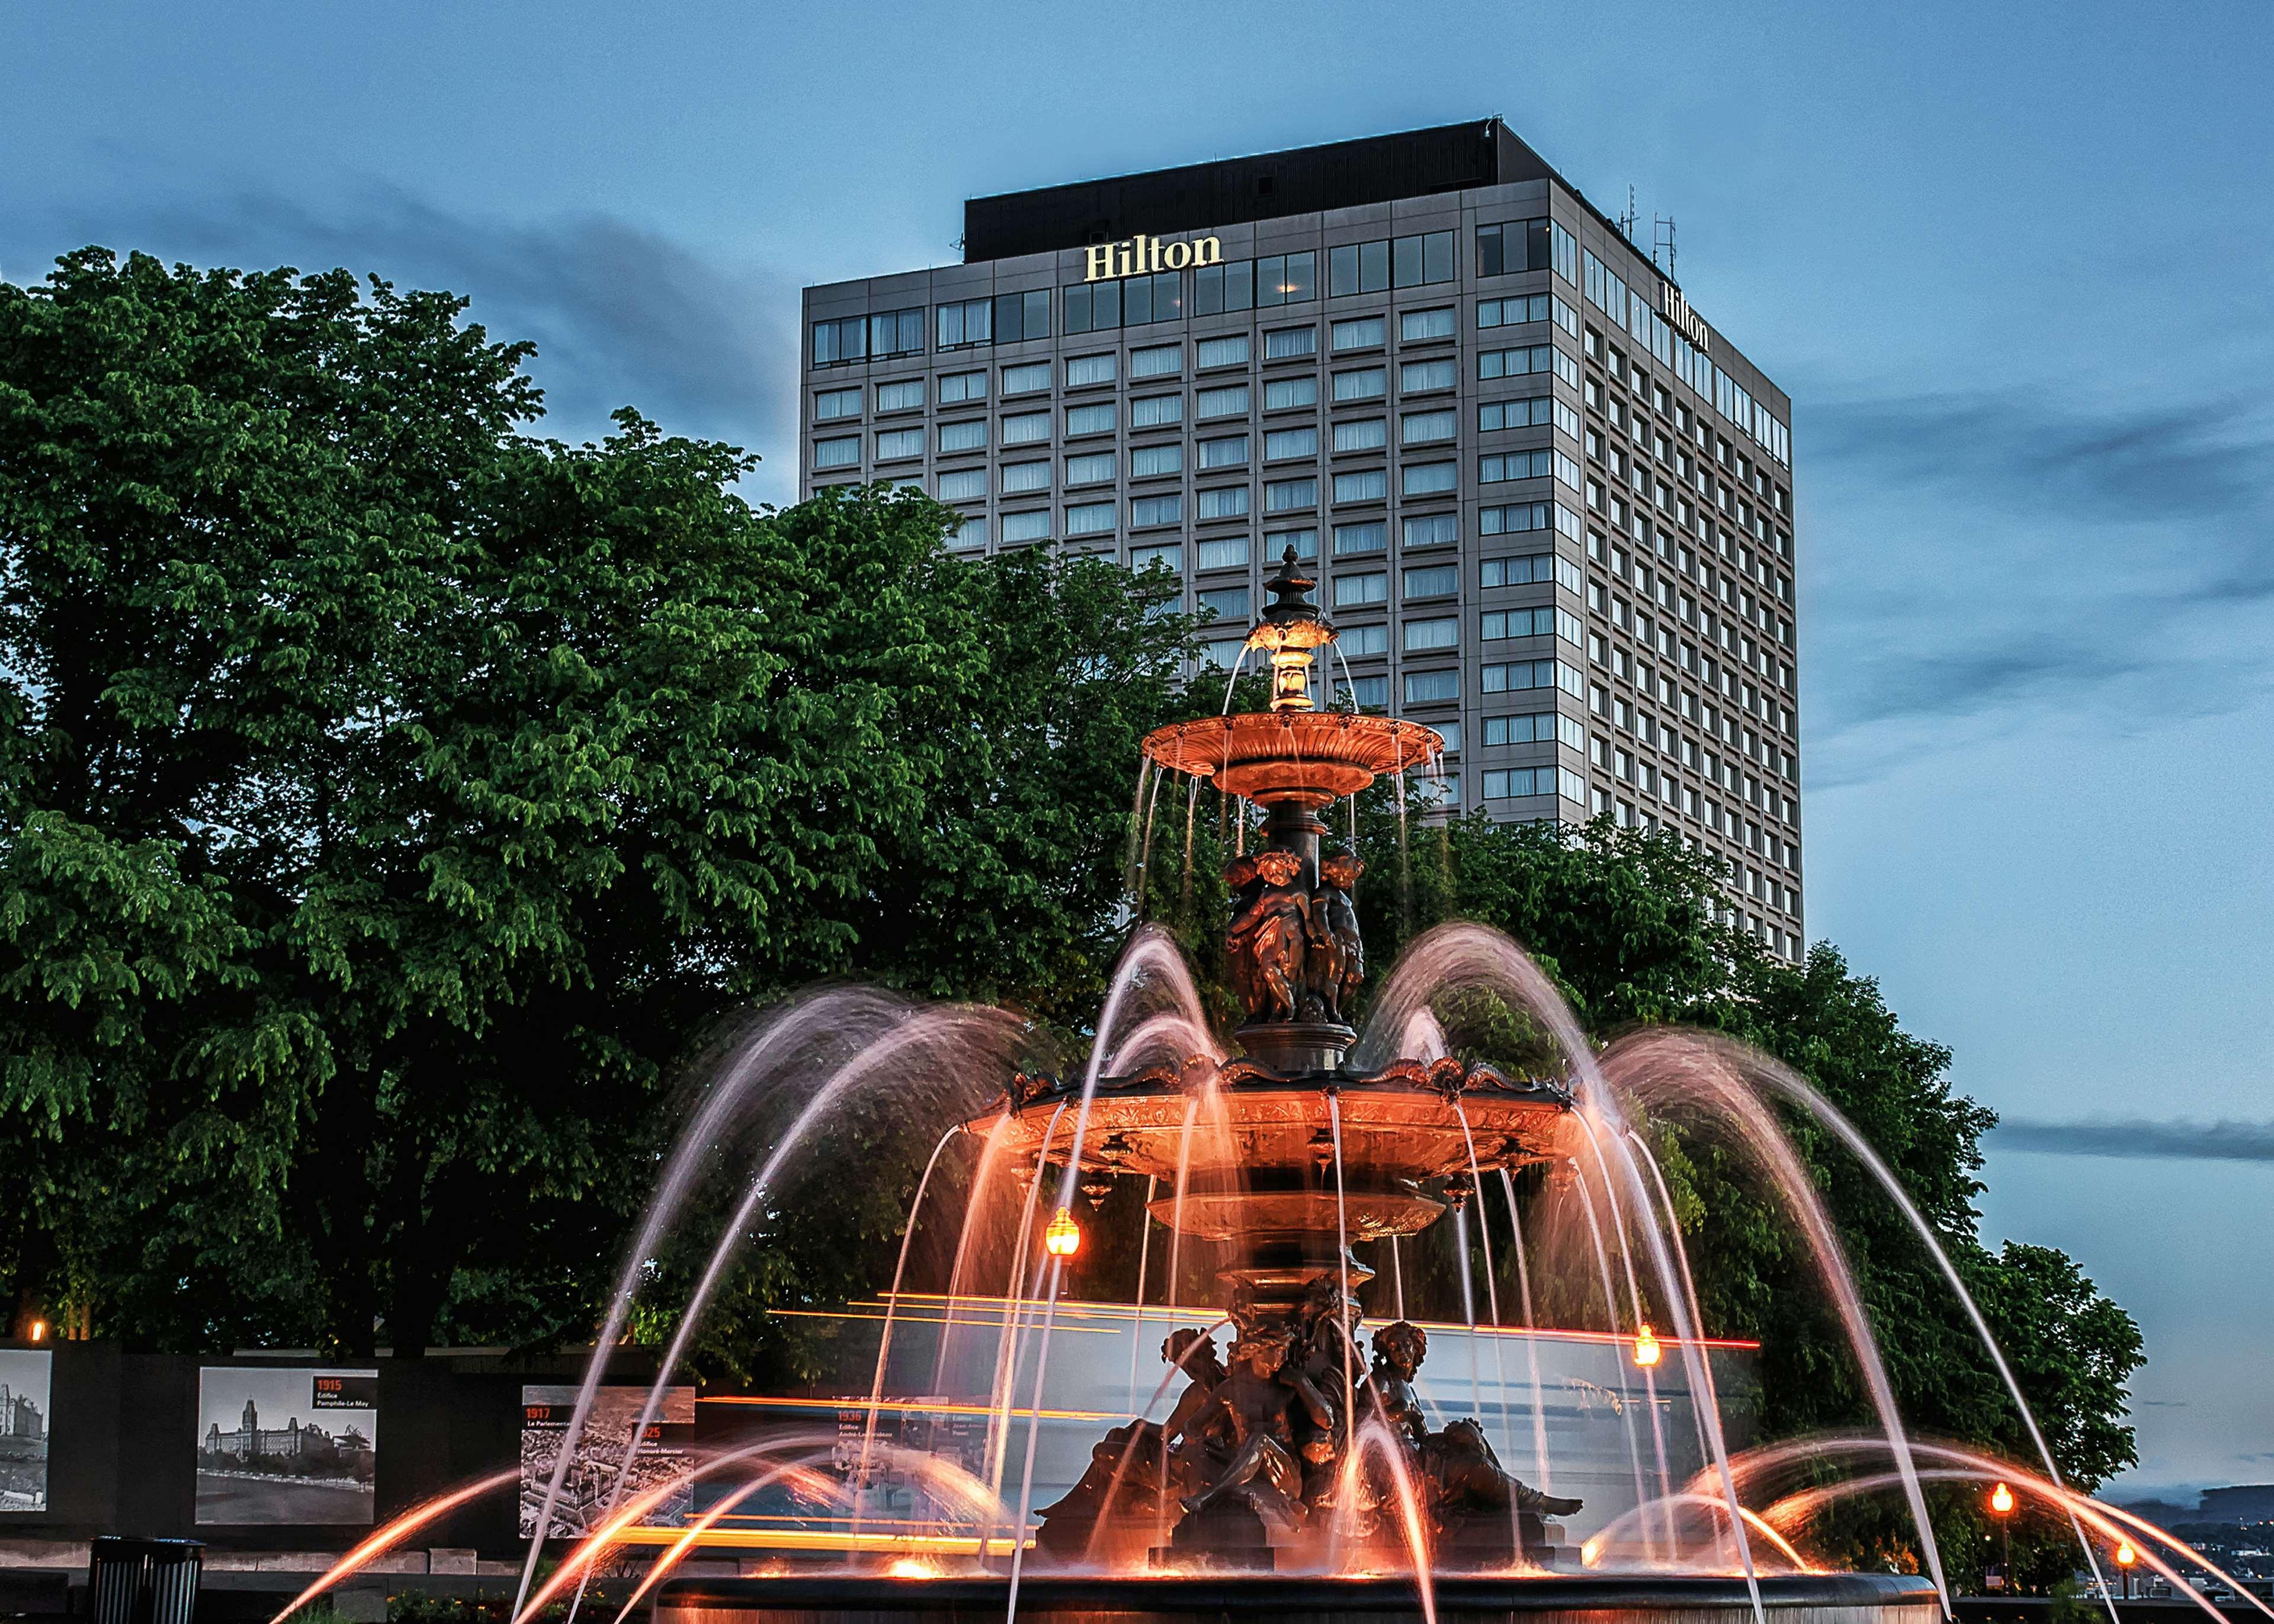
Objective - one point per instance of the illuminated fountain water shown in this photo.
(1281, 1166)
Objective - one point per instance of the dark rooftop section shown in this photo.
(1233, 190)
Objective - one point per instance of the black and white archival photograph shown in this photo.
(590, 1488)
(286, 1445)
(24, 1385)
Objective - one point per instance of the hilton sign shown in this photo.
(1683, 319)
(1141, 255)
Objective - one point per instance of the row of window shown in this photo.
(1423, 259)
(1631, 310)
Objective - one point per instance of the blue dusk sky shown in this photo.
(2012, 261)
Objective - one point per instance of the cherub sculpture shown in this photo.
(1248, 1424)
(1337, 955)
(1270, 922)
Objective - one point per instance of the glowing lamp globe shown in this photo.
(1647, 1350)
(2001, 1501)
(1063, 1237)
(2124, 1554)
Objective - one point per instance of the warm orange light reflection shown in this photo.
(1647, 1350)
(1062, 1238)
(912, 1567)
(39, 1330)
(2002, 1499)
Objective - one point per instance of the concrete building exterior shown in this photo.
(1549, 504)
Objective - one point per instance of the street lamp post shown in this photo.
(2126, 1556)
(2001, 1507)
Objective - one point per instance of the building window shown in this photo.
(1305, 544)
(1358, 540)
(1281, 444)
(1504, 465)
(844, 453)
(1097, 468)
(1422, 260)
(1416, 326)
(1090, 369)
(1098, 419)
(1224, 553)
(961, 389)
(1230, 452)
(1230, 351)
(1358, 642)
(964, 485)
(1031, 378)
(1422, 428)
(1433, 581)
(1230, 402)
(906, 394)
(1370, 484)
(970, 435)
(1287, 279)
(1020, 478)
(1366, 693)
(1424, 637)
(1511, 246)
(1290, 343)
(1516, 363)
(1499, 625)
(1022, 315)
(1515, 676)
(1224, 502)
(1512, 783)
(845, 339)
(1149, 510)
(896, 332)
(1357, 591)
(1089, 519)
(1433, 529)
(1532, 727)
(972, 532)
(969, 322)
(1018, 527)
(1363, 333)
(1157, 361)
(1365, 434)
(1286, 394)
(1357, 268)
(1538, 412)
(1512, 517)
(1092, 307)
(894, 444)
(1169, 556)
(1026, 428)
(1228, 603)
(1154, 411)
(1220, 288)
(1449, 731)
(1369, 385)
(1152, 462)
(1428, 478)
(831, 404)
(1286, 495)
(1423, 687)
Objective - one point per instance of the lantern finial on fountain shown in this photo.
(1291, 632)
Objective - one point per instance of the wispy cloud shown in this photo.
(1983, 558)
(2140, 1141)
(622, 315)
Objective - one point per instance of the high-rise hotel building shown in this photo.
(1550, 504)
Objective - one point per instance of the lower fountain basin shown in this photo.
(1578, 1598)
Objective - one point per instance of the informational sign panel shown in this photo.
(286, 1445)
(24, 1383)
(589, 1487)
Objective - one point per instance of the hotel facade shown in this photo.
(1549, 504)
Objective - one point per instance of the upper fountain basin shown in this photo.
(1311, 757)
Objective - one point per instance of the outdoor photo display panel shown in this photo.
(25, 1374)
(590, 1485)
(294, 1444)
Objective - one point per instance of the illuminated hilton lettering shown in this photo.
(1685, 321)
(1141, 255)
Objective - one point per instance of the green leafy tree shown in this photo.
(389, 801)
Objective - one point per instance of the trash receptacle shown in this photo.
(144, 1580)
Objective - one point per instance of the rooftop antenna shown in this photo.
(1662, 236)
(1627, 221)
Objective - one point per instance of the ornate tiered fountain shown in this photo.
(1271, 1456)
